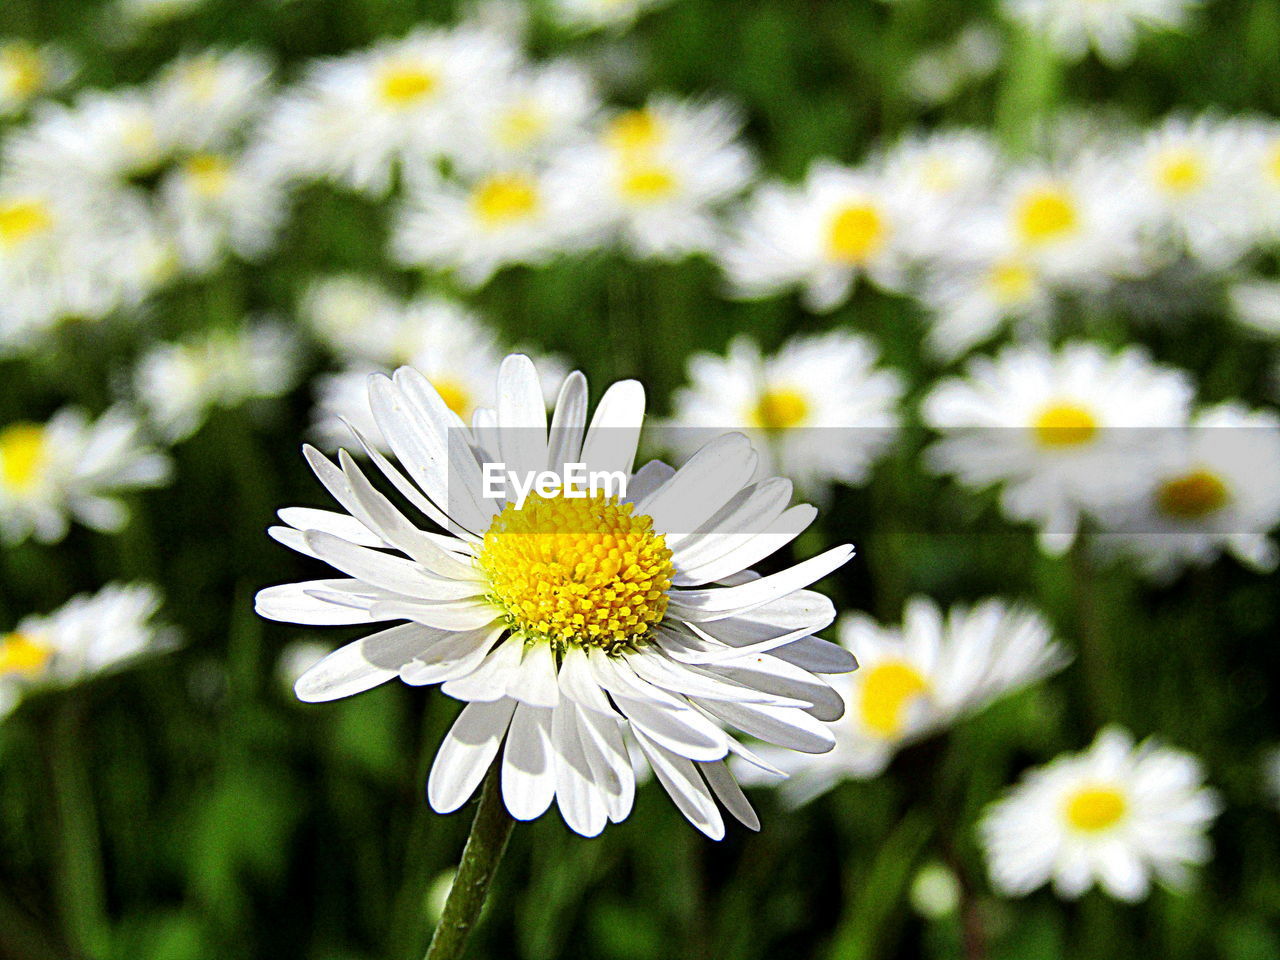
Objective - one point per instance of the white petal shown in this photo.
(615, 429)
(684, 680)
(648, 479)
(702, 486)
(466, 753)
(291, 603)
(578, 683)
(522, 416)
(581, 805)
(528, 768)
(705, 606)
(386, 571)
(784, 726)
(454, 655)
(568, 423)
(407, 489)
(742, 550)
(773, 675)
(729, 793)
(610, 763)
(339, 524)
(362, 665)
(686, 787)
(449, 615)
(535, 681)
(493, 678)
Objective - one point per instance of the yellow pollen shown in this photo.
(23, 455)
(1011, 282)
(21, 220)
(1065, 425)
(855, 233)
(23, 653)
(647, 184)
(1046, 214)
(23, 69)
(780, 408)
(455, 396)
(635, 130)
(502, 198)
(578, 571)
(1094, 809)
(1192, 496)
(1179, 171)
(406, 84)
(521, 126)
(209, 173)
(888, 689)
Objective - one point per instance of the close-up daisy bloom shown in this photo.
(28, 72)
(1115, 815)
(565, 622)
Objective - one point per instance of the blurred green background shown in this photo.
(235, 822)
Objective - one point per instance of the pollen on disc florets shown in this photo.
(578, 571)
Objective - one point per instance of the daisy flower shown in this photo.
(72, 468)
(915, 680)
(28, 72)
(1116, 815)
(350, 314)
(355, 119)
(1072, 27)
(950, 166)
(1261, 179)
(1047, 428)
(600, 14)
(820, 410)
(1218, 489)
(89, 635)
(822, 235)
(514, 216)
(203, 101)
(569, 624)
(179, 384)
(656, 176)
(1256, 304)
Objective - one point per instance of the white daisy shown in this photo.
(600, 14)
(1261, 178)
(89, 635)
(1256, 304)
(1056, 430)
(1217, 489)
(203, 101)
(951, 166)
(514, 216)
(357, 118)
(915, 680)
(819, 411)
(179, 384)
(1111, 28)
(1115, 815)
(567, 620)
(72, 468)
(840, 224)
(28, 72)
(657, 176)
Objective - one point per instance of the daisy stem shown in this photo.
(488, 839)
(82, 900)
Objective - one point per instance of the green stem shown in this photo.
(1031, 86)
(489, 834)
(1099, 671)
(82, 899)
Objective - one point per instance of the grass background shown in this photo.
(234, 822)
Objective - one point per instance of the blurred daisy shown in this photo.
(145, 12)
(1256, 304)
(72, 468)
(357, 118)
(89, 635)
(949, 165)
(217, 203)
(515, 216)
(1056, 430)
(1116, 815)
(819, 410)
(600, 14)
(203, 101)
(28, 72)
(351, 315)
(1218, 489)
(915, 680)
(822, 235)
(1261, 178)
(655, 648)
(179, 384)
(1111, 28)
(656, 176)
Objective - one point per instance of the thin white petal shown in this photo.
(528, 768)
(615, 428)
(362, 665)
(466, 753)
(686, 787)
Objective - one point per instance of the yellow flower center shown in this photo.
(635, 130)
(1011, 281)
(455, 396)
(647, 183)
(23, 69)
(23, 653)
(1179, 171)
(1192, 496)
(22, 219)
(888, 689)
(1065, 425)
(521, 125)
(855, 233)
(405, 84)
(209, 173)
(23, 456)
(1046, 214)
(578, 571)
(780, 408)
(1094, 809)
(503, 198)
